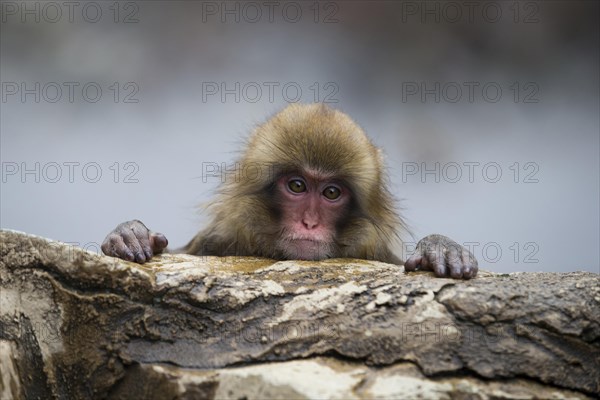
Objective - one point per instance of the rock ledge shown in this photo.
(74, 324)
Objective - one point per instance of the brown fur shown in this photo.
(303, 137)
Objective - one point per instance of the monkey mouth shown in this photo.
(307, 243)
(315, 238)
(311, 240)
(308, 249)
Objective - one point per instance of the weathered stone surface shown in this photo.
(78, 325)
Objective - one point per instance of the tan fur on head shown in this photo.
(312, 138)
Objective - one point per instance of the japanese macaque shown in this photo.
(317, 190)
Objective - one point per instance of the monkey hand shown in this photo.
(444, 257)
(132, 241)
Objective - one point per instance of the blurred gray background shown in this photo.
(500, 97)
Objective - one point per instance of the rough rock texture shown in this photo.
(78, 325)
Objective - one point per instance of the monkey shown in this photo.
(319, 190)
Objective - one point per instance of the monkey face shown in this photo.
(311, 205)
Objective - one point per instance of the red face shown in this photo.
(311, 206)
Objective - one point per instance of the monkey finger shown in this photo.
(435, 257)
(413, 262)
(470, 266)
(469, 272)
(454, 262)
(133, 244)
(439, 267)
(158, 242)
(468, 257)
(143, 238)
(114, 246)
(456, 271)
(425, 264)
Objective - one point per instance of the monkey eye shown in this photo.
(332, 192)
(297, 185)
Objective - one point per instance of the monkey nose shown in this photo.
(310, 223)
